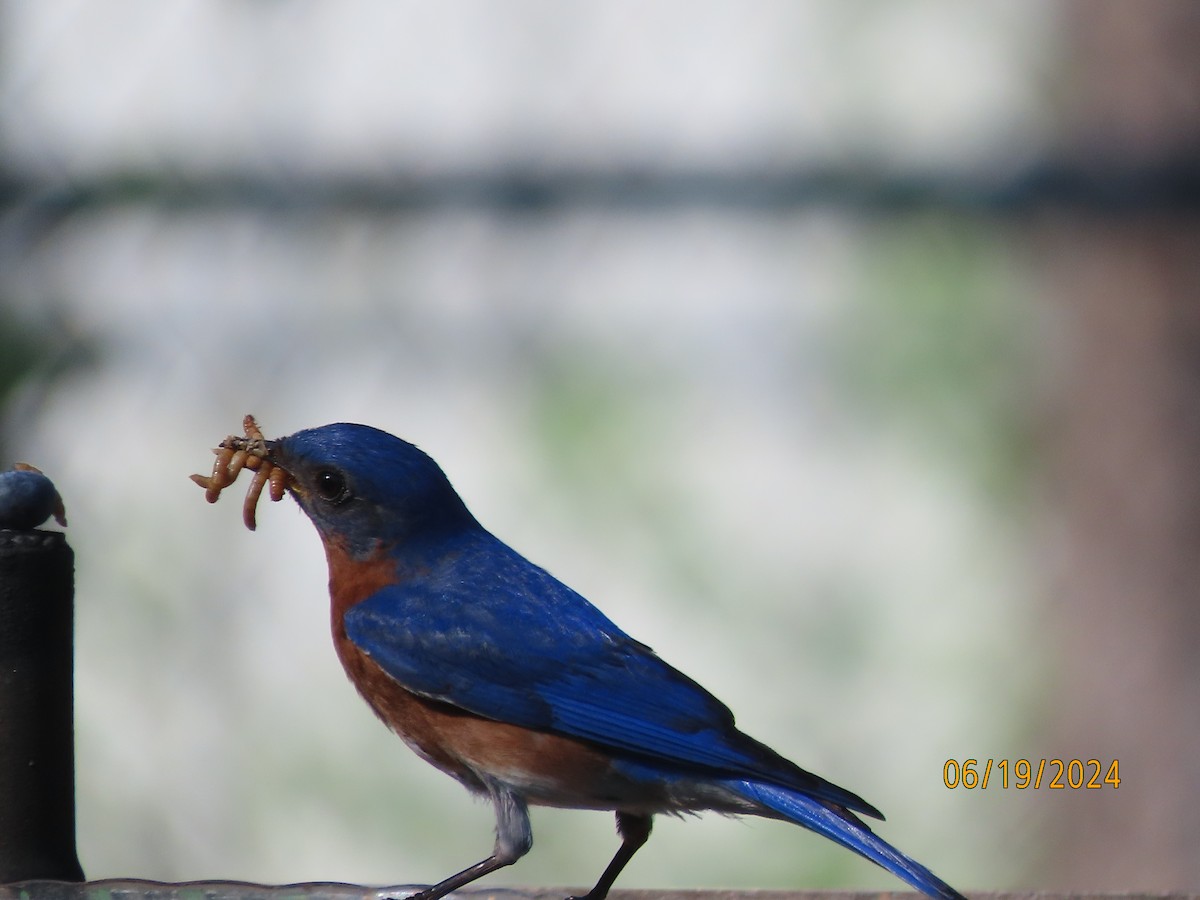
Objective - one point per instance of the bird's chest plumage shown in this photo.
(414, 718)
(544, 768)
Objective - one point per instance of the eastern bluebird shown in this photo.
(509, 681)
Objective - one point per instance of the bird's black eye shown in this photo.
(330, 485)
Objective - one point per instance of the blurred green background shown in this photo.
(844, 352)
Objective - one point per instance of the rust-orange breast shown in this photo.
(547, 768)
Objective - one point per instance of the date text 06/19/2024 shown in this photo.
(1022, 774)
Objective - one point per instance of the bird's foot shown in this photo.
(427, 894)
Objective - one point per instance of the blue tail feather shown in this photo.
(846, 830)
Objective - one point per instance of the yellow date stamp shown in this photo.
(1026, 774)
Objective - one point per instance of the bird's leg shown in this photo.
(634, 831)
(514, 837)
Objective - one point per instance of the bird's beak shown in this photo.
(278, 457)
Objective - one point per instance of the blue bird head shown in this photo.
(363, 487)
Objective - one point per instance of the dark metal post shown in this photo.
(37, 747)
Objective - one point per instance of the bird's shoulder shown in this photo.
(476, 597)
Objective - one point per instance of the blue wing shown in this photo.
(489, 632)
